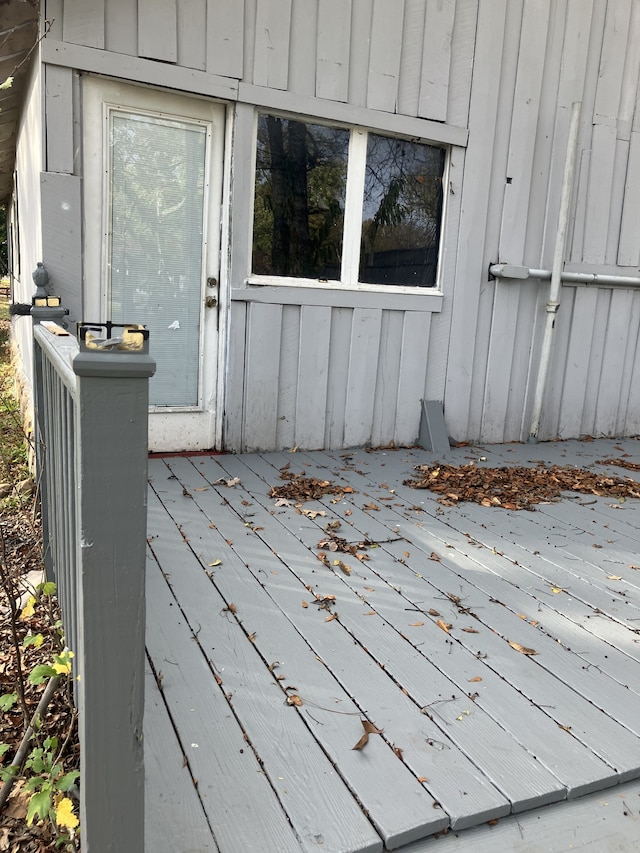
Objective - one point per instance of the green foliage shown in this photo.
(43, 771)
(41, 673)
(7, 701)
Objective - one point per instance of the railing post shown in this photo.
(43, 308)
(111, 478)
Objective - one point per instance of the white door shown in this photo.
(153, 165)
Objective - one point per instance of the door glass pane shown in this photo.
(301, 172)
(157, 180)
(401, 212)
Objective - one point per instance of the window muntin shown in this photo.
(345, 206)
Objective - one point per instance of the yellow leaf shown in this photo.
(27, 611)
(446, 626)
(415, 624)
(216, 563)
(64, 814)
(62, 663)
(556, 589)
(614, 577)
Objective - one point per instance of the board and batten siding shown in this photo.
(329, 377)
(495, 80)
(533, 59)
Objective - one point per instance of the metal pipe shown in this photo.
(510, 271)
(553, 302)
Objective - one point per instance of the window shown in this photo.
(345, 206)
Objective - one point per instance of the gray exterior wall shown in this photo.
(493, 79)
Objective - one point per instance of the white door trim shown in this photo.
(169, 429)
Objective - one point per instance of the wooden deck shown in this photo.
(498, 749)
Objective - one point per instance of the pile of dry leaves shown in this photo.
(518, 487)
(299, 489)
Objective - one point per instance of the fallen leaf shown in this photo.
(471, 631)
(305, 603)
(347, 512)
(330, 617)
(434, 556)
(521, 615)
(423, 778)
(522, 649)
(232, 608)
(475, 678)
(369, 729)
(633, 567)
(407, 554)
(446, 626)
(614, 577)
(252, 637)
(312, 513)
(294, 699)
(433, 612)
(564, 728)
(371, 506)
(398, 752)
(216, 563)
(415, 624)
(556, 589)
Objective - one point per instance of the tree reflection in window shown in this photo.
(299, 226)
(401, 212)
(301, 174)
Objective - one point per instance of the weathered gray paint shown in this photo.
(496, 82)
(562, 723)
(95, 503)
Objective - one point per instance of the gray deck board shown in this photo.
(449, 770)
(169, 805)
(437, 597)
(520, 775)
(318, 803)
(245, 815)
(598, 823)
(455, 751)
(276, 639)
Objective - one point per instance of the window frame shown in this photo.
(352, 229)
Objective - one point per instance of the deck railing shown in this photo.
(91, 404)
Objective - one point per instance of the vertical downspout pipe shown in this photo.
(553, 303)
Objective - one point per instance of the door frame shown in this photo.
(170, 428)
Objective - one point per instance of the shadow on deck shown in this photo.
(264, 661)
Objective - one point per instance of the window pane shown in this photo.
(401, 212)
(301, 172)
(157, 208)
